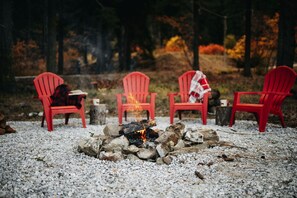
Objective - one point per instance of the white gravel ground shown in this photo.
(38, 163)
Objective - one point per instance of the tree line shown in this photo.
(108, 27)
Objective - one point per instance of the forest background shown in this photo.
(103, 37)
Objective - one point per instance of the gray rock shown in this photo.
(117, 144)
(112, 130)
(144, 153)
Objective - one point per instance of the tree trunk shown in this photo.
(45, 29)
(99, 53)
(196, 65)
(123, 48)
(128, 50)
(52, 33)
(7, 81)
(29, 20)
(286, 33)
(120, 40)
(61, 38)
(247, 53)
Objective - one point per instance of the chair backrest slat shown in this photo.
(46, 83)
(184, 82)
(136, 86)
(280, 80)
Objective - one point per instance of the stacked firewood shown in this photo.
(4, 128)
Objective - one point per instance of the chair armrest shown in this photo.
(205, 99)
(238, 94)
(171, 98)
(173, 94)
(119, 99)
(248, 93)
(153, 97)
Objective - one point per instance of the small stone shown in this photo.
(167, 160)
(199, 175)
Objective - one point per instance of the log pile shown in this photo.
(4, 128)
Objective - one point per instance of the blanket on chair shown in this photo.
(61, 98)
(199, 86)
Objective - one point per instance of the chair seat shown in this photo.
(138, 104)
(187, 106)
(65, 109)
(249, 106)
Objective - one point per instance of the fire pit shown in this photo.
(144, 141)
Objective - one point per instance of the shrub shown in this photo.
(212, 49)
(175, 43)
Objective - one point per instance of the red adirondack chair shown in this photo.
(136, 96)
(184, 82)
(45, 85)
(277, 85)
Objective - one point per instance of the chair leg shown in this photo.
(232, 118)
(148, 115)
(67, 115)
(204, 117)
(120, 114)
(257, 117)
(42, 120)
(171, 115)
(281, 118)
(83, 119)
(152, 114)
(179, 114)
(125, 114)
(263, 122)
(49, 122)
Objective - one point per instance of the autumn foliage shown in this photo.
(211, 49)
(27, 58)
(263, 47)
(174, 44)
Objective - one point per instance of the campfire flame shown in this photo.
(135, 108)
(143, 134)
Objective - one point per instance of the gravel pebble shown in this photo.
(38, 163)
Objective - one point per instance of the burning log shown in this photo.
(139, 132)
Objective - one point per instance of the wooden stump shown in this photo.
(98, 114)
(223, 115)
